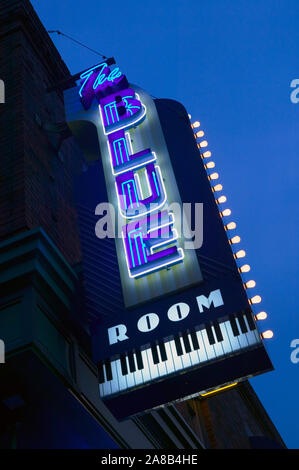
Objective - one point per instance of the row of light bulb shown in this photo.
(231, 225)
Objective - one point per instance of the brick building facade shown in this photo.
(38, 159)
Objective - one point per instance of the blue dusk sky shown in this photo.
(230, 62)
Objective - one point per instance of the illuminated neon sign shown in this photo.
(141, 240)
(98, 81)
(149, 238)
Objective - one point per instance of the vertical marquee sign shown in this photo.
(173, 320)
(119, 112)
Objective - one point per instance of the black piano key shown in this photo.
(218, 331)
(108, 370)
(234, 325)
(131, 361)
(178, 345)
(163, 351)
(154, 350)
(194, 340)
(101, 373)
(210, 334)
(186, 343)
(123, 364)
(250, 320)
(139, 360)
(242, 322)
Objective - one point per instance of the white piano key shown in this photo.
(122, 381)
(153, 367)
(161, 366)
(193, 354)
(138, 373)
(225, 343)
(185, 357)
(218, 345)
(209, 347)
(146, 373)
(202, 353)
(242, 337)
(177, 361)
(251, 337)
(114, 381)
(101, 386)
(169, 363)
(106, 385)
(129, 376)
(233, 339)
(257, 335)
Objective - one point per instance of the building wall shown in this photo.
(37, 166)
(233, 419)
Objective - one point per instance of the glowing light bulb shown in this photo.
(189, 116)
(204, 143)
(235, 240)
(250, 284)
(200, 134)
(256, 299)
(196, 124)
(213, 176)
(261, 316)
(218, 187)
(210, 165)
(206, 154)
(221, 199)
(230, 226)
(225, 213)
(240, 254)
(267, 334)
(244, 269)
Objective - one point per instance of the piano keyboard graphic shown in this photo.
(191, 349)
